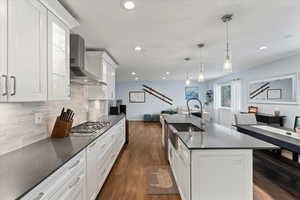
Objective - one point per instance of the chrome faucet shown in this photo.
(200, 103)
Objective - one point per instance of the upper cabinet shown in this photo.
(34, 50)
(3, 50)
(102, 65)
(27, 51)
(58, 59)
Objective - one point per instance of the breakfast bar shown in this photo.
(284, 138)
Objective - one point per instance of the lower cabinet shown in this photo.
(180, 164)
(74, 189)
(205, 174)
(82, 177)
(101, 155)
(67, 179)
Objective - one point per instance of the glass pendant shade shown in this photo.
(227, 61)
(188, 82)
(201, 73)
(227, 64)
(201, 77)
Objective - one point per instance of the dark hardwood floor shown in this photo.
(127, 180)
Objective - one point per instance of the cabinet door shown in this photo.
(92, 181)
(58, 59)
(93, 63)
(111, 77)
(104, 69)
(71, 190)
(3, 50)
(27, 50)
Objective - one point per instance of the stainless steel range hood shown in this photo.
(78, 68)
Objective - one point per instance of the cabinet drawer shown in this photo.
(49, 186)
(73, 186)
(183, 153)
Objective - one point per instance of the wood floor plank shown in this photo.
(127, 180)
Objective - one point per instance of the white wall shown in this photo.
(281, 67)
(173, 89)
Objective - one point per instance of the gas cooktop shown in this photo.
(89, 128)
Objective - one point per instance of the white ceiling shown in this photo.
(168, 31)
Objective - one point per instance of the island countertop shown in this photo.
(214, 135)
(285, 141)
(23, 169)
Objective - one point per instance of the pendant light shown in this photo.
(187, 80)
(228, 59)
(201, 70)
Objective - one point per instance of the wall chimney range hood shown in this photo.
(78, 68)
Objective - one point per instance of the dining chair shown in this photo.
(297, 122)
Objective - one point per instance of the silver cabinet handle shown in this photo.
(75, 183)
(4, 93)
(13, 78)
(74, 165)
(41, 194)
(92, 145)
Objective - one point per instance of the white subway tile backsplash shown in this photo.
(17, 124)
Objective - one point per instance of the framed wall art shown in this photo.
(137, 97)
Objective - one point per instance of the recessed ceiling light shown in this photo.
(136, 78)
(164, 78)
(133, 73)
(263, 48)
(168, 73)
(128, 5)
(138, 48)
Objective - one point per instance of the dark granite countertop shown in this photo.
(215, 136)
(281, 140)
(25, 168)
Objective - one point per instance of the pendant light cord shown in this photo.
(227, 40)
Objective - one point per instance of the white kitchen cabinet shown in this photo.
(97, 65)
(101, 155)
(104, 67)
(199, 175)
(67, 180)
(24, 51)
(27, 51)
(92, 171)
(111, 72)
(3, 50)
(82, 177)
(58, 59)
(72, 189)
(222, 174)
(181, 170)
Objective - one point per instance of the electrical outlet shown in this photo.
(38, 117)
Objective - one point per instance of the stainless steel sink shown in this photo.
(186, 127)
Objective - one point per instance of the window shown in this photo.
(225, 96)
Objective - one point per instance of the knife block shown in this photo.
(61, 128)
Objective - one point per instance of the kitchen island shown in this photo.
(210, 161)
